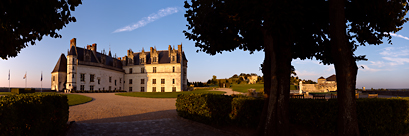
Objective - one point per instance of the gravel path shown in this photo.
(110, 114)
(228, 91)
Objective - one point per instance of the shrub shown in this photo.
(375, 116)
(246, 111)
(22, 90)
(33, 114)
(205, 108)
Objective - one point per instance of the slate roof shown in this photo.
(61, 65)
(109, 61)
(163, 56)
(332, 78)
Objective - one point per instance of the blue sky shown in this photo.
(124, 25)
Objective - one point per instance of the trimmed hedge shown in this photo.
(33, 114)
(22, 90)
(379, 116)
(246, 111)
(375, 116)
(205, 108)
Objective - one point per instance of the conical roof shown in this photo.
(61, 65)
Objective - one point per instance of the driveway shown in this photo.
(110, 114)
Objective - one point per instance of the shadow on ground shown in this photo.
(138, 117)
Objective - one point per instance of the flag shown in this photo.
(9, 74)
(41, 76)
(25, 76)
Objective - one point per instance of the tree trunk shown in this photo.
(276, 70)
(345, 68)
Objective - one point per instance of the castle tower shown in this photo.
(71, 66)
(59, 75)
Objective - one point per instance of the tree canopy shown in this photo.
(22, 22)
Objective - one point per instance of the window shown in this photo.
(91, 87)
(103, 88)
(91, 78)
(173, 89)
(73, 75)
(142, 60)
(153, 81)
(130, 70)
(142, 70)
(130, 89)
(82, 87)
(162, 81)
(173, 58)
(83, 77)
(120, 81)
(154, 59)
(154, 69)
(109, 88)
(173, 81)
(110, 79)
(115, 82)
(142, 89)
(53, 78)
(142, 81)
(99, 81)
(130, 61)
(162, 89)
(153, 89)
(173, 69)
(73, 68)
(130, 81)
(120, 88)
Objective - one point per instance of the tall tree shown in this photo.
(282, 29)
(354, 23)
(25, 21)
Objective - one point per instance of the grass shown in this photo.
(166, 94)
(73, 99)
(244, 87)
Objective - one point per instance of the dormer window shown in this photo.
(142, 60)
(173, 58)
(130, 61)
(154, 59)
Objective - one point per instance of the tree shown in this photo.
(23, 22)
(354, 23)
(282, 29)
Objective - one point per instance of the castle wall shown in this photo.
(101, 78)
(163, 71)
(58, 80)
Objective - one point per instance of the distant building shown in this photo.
(153, 71)
(323, 85)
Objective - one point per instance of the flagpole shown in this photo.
(9, 81)
(41, 81)
(26, 79)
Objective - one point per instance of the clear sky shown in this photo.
(124, 25)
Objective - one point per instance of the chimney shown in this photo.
(180, 48)
(94, 47)
(151, 50)
(73, 42)
(130, 52)
(169, 50)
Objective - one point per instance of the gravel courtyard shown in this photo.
(110, 114)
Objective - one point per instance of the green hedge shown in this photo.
(205, 108)
(33, 114)
(246, 111)
(379, 116)
(375, 116)
(22, 90)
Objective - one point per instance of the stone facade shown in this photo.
(323, 85)
(87, 69)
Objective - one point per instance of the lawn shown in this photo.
(166, 94)
(73, 99)
(244, 87)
